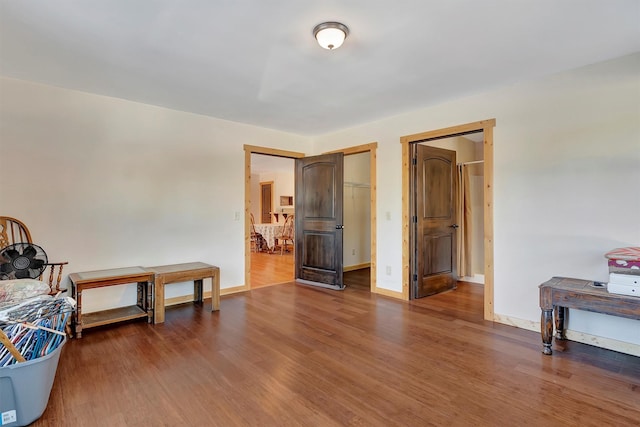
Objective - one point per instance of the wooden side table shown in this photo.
(561, 293)
(196, 271)
(116, 276)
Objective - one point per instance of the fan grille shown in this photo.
(22, 261)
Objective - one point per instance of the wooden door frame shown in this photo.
(261, 184)
(371, 148)
(248, 150)
(485, 126)
(253, 149)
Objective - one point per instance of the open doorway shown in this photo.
(448, 211)
(410, 261)
(266, 189)
(272, 182)
(268, 260)
(365, 148)
(357, 220)
(360, 195)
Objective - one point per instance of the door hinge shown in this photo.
(415, 277)
(414, 161)
(414, 219)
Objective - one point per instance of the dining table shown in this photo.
(270, 232)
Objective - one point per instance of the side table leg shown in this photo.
(560, 313)
(546, 329)
(141, 297)
(150, 307)
(78, 315)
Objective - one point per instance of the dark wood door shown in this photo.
(265, 202)
(435, 220)
(318, 220)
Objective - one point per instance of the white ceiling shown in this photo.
(261, 163)
(256, 62)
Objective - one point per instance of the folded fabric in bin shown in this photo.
(16, 290)
(624, 260)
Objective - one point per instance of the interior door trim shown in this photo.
(248, 150)
(370, 147)
(485, 126)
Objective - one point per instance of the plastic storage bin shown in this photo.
(25, 388)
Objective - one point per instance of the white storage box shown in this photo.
(624, 284)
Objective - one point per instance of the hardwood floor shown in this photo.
(298, 355)
(274, 269)
(271, 268)
(359, 279)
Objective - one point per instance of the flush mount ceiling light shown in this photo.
(330, 35)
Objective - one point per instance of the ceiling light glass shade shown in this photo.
(330, 35)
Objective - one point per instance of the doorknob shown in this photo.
(339, 227)
(454, 226)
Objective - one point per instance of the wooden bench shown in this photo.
(196, 271)
(560, 293)
(111, 277)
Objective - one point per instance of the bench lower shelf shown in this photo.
(107, 317)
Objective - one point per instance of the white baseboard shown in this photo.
(608, 343)
(476, 278)
(207, 294)
(356, 267)
(389, 293)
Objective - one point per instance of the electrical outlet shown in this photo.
(237, 216)
(388, 215)
(388, 270)
(353, 251)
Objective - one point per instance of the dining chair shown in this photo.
(287, 234)
(14, 231)
(257, 240)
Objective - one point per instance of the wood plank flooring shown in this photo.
(298, 355)
(271, 268)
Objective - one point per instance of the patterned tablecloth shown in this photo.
(269, 232)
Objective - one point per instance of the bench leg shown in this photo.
(546, 329)
(215, 291)
(560, 313)
(198, 290)
(158, 300)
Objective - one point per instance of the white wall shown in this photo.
(104, 182)
(279, 170)
(283, 185)
(254, 208)
(465, 148)
(566, 168)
